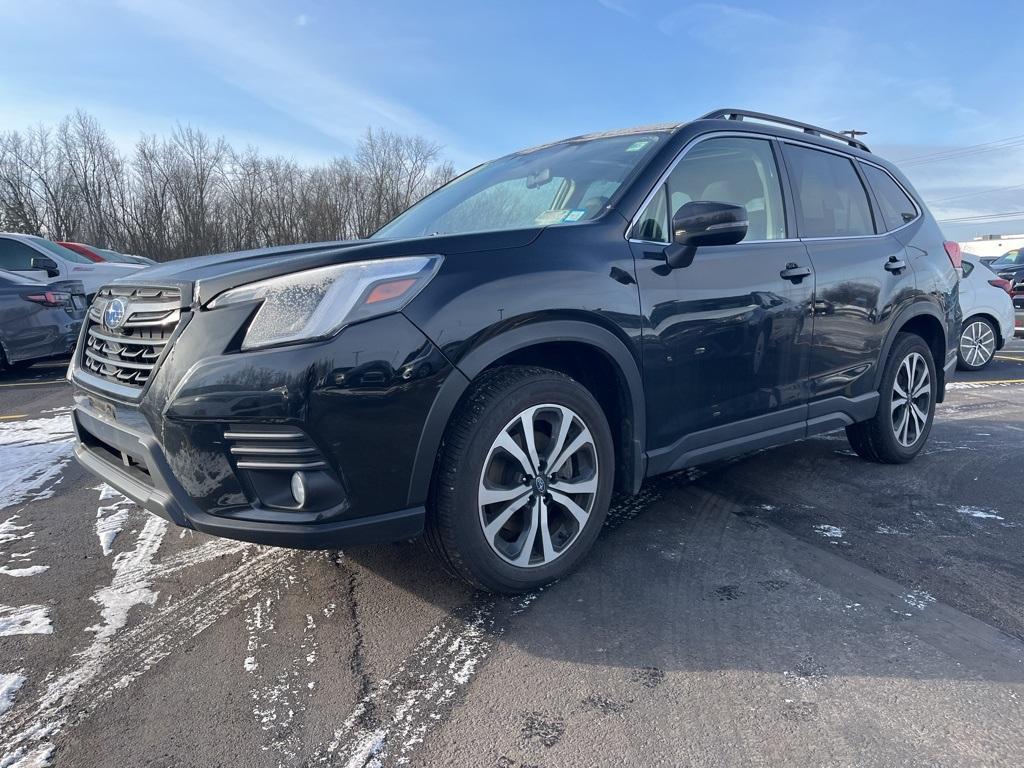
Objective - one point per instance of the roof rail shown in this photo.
(739, 114)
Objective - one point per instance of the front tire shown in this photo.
(977, 345)
(523, 480)
(899, 429)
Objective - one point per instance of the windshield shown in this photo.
(563, 183)
(1010, 259)
(60, 251)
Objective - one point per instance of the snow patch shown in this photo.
(110, 519)
(31, 570)
(830, 531)
(35, 453)
(11, 531)
(25, 620)
(918, 599)
(888, 530)
(984, 514)
(10, 682)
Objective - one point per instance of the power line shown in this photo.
(979, 192)
(915, 158)
(962, 155)
(985, 216)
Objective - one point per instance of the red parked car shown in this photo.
(93, 253)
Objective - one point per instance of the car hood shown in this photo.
(202, 277)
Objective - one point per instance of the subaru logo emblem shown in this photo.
(114, 313)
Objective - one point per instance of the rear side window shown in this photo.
(896, 207)
(15, 254)
(830, 199)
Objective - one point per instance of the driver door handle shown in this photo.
(794, 272)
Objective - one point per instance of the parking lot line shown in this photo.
(34, 383)
(12, 416)
(993, 381)
(1009, 357)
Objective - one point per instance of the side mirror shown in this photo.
(704, 223)
(46, 264)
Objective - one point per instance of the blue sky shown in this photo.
(306, 77)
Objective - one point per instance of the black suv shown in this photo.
(546, 329)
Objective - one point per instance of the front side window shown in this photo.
(738, 171)
(15, 255)
(564, 183)
(60, 251)
(830, 199)
(896, 207)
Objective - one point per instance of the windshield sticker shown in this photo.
(575, 215)
(553, 216)
(636, 146)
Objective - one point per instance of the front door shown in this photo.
(725, 339)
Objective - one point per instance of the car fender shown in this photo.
(477, 359)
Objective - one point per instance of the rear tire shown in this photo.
(511, 512)
(977, 344)
(899, 429)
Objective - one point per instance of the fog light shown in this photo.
(299, 488)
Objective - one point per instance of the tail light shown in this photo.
(1001, 283)
(953, 251)
(50, 298)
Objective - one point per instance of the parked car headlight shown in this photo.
(316, 303)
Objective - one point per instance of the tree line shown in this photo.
(188, 193)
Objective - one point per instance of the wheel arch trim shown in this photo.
(918, 309)
(485, 353)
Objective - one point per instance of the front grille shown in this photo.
(261, 446)
(128, 353)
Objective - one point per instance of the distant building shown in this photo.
(992, 245)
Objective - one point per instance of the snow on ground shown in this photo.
(985, 514)
(35, 452)
(10, 682)
(25, 620)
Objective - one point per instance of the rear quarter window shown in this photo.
(895, 205)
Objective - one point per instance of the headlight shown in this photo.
(316, 303)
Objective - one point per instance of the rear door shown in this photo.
(725, 339)
(862, 273)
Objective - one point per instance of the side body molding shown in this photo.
(477, 359)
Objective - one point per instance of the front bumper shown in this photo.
(144, 476)
(360, 401)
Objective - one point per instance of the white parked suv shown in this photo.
(45, 260)
(988, 314)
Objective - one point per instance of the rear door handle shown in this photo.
(794, 272)
(895, 265)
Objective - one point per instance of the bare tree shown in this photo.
(188, 194)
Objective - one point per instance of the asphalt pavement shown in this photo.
(796, 607)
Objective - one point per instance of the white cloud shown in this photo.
(259, 63)
(301, 20)
(616, 7)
